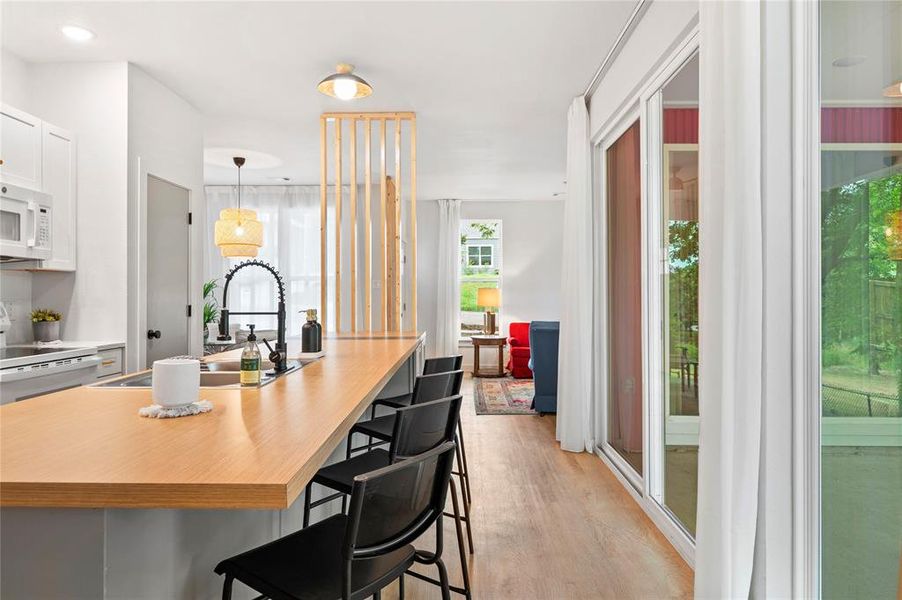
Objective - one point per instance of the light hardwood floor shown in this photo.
(550, 524)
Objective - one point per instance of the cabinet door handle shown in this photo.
(153, 334)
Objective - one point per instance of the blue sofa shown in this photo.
(543, 342)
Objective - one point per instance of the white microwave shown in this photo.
(25, 223)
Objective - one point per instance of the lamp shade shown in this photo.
(238, 233)
(488, 297)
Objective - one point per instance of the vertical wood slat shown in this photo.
(391, 214)
(367, 231)
(383, 309)
(398, 299)
(338, 193)
(323, 187)
(352, 156)
(412, 251)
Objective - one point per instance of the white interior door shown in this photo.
(167, 269)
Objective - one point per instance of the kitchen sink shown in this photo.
(215, 374)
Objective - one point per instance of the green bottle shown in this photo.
(250, 361)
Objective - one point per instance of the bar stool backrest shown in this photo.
(442, 364)
(424, 426)
(427, 388)
(394, 505)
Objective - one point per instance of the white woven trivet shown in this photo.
(155, 411)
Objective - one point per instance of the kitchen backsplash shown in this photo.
(15, 293)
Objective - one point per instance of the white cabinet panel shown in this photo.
(59, 170)
(20, 148)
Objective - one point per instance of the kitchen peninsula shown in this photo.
(123, 506)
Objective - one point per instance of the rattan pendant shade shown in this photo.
(238, 233)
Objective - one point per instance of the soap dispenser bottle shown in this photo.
(311, 333)
(250, 361)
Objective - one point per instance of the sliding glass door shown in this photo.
(861, 295)
(675, 140)
(624, 296)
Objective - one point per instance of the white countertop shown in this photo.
(102, 345)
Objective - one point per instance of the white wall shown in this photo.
(663, 26)
(165, 139)
(90, 100)
(14, 87)
(531, 251)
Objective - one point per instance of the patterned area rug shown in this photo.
(503, 396)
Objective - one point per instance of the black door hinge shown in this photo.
(188, 311)
(189, 218)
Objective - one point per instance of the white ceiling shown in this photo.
(490, 81)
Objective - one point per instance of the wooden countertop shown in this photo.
(258, 448)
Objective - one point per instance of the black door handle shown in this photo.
(152, 334)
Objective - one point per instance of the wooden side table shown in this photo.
(488, 340)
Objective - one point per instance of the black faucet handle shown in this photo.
(275, 356)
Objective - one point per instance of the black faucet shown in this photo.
(277, 356)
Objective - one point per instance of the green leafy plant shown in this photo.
(39, 315)
(210, 304)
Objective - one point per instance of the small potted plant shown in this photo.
(46, 324)
(210, 307)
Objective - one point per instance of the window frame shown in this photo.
(497, 263)
(637, 107)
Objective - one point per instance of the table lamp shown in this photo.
(488, 298)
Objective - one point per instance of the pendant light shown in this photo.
(238, 233)
(344, 85)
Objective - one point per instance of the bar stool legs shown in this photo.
(465, 468)
(464, 569)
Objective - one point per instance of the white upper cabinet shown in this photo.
(42, 157)
(20, 148)
(58, 151)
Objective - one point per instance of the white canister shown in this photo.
(176, 381)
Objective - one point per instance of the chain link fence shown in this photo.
(842, 402)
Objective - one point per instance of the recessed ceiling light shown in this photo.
(849, 61)
(76, 33)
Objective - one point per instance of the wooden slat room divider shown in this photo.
(397, 201)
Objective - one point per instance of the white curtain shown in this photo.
(447, 317)
(730, 299)
(291, 218)
(574, 382)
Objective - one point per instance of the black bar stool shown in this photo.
(426, 388)
(356, 555)
(431, 366)
(417, 429)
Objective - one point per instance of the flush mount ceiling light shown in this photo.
(76, 33)
(238, 233)
(344, 85)
(893, 90)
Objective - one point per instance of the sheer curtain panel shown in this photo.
(447, 318)
(574, 416)
(731, 298)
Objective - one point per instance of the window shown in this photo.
(479, 255)
(861, 299)
(480, 258)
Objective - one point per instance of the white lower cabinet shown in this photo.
(110, 363)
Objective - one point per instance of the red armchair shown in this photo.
(518, 365)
